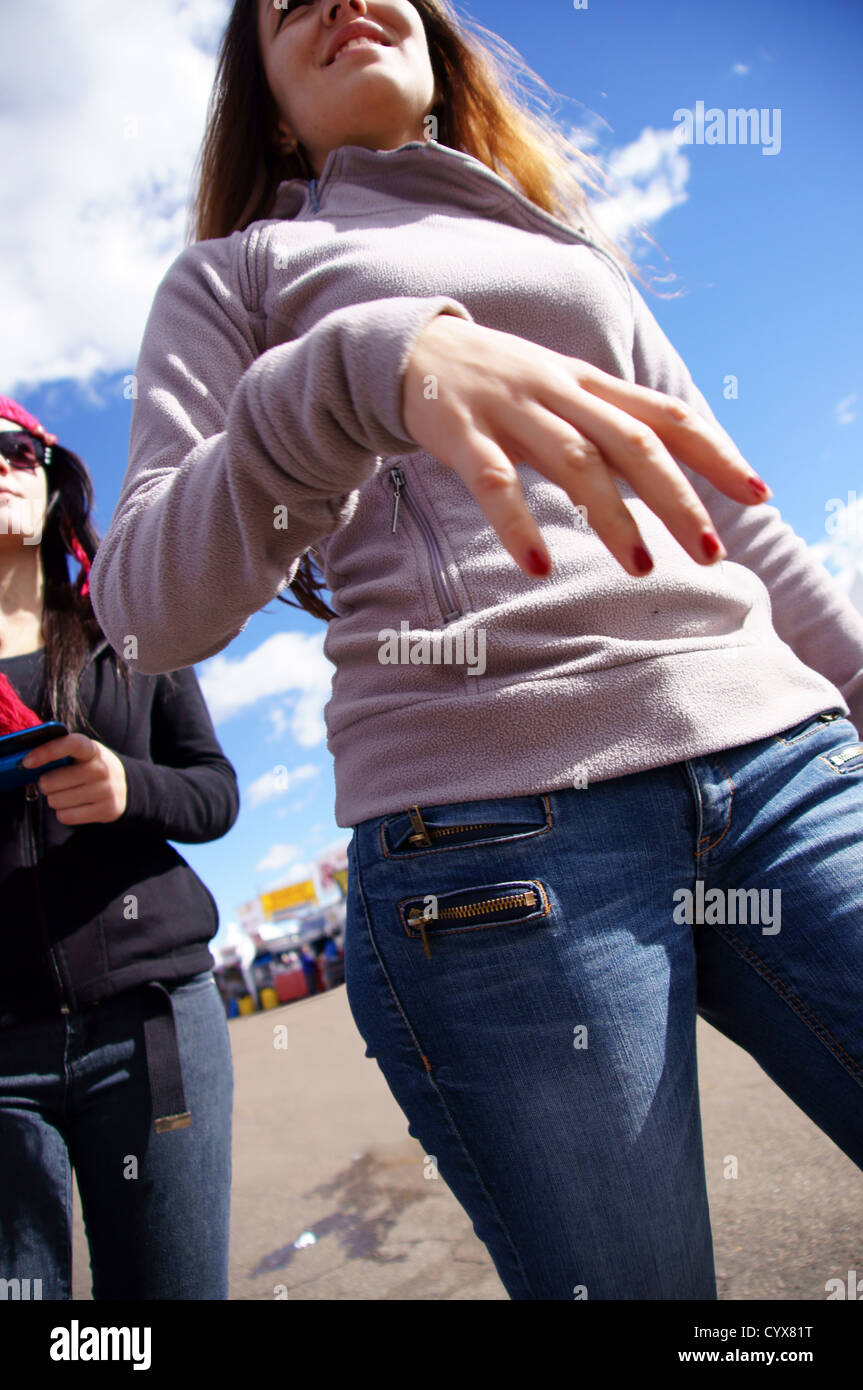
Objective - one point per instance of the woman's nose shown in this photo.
(332, 12)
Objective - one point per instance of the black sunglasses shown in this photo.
(24, 450)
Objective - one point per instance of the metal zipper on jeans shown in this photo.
(445, 595)
(418, 919)
(526, 899)
(31, 796)
(839, 759)
(424, 833)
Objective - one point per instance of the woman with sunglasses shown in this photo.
(581, 741)
(114, 1053)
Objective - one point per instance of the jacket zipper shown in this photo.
(445, 595)
(31, 796)
(577, 233)
(417, 918)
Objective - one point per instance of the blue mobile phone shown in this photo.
(14, 747)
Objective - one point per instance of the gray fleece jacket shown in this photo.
(268, 422)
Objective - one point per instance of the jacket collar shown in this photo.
(416, 170)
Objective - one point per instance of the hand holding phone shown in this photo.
(14, 747)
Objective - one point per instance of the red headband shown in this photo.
(11, 410)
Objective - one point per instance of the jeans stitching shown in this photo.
(67, 1250)
(465, 844)
(807, 732)
(427, 1065)
(794, 1002)
(839, 771)
(384, 971)
(707, 848)
(414, 934)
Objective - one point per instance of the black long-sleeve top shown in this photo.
(87, 911)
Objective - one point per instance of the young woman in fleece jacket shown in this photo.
(399, 348)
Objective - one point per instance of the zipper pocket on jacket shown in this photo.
(31, 796)
(445, 596)
(474, 909)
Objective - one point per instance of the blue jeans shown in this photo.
(527, 973)
(74, 1093)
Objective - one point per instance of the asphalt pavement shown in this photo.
(331, 1201)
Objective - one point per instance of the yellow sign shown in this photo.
(291, 896)
(341, 877)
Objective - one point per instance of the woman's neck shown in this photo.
(21, 603)
(16, 639)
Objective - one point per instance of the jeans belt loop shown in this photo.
(163, 1065)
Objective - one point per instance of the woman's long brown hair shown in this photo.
(482, 81)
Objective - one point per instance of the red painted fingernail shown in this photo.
(758, 486)
(711, 544)
(642, 560)
(538, 563)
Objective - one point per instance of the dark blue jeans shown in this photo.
(527, 973)
(74, 1093)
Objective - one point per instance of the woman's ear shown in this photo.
(286, 139)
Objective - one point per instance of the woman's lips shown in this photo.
(364, 41)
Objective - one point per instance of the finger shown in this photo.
(62, 779)
(567, 458)
(48, 751)
(67, 800)
(631, 449)
(701, 444)
(79, 815)
(491, 477)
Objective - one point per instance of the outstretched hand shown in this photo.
(500, 400)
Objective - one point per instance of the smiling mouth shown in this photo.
(364, 39)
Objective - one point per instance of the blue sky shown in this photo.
(764, 250)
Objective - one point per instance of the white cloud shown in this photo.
(102, 110)
(842, 549)
(844, 414)
(299, 872)
(286, 663)
(277, 857)
(232, 936)
(277, 781)
(740, 69)
(585, 137)
(96, 179)
(648, 178)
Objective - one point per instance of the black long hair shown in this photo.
(69, 626)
